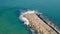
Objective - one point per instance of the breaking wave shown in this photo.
(23, 12)
(25, 19)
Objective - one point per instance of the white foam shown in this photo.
(30, 11)
(26, 21)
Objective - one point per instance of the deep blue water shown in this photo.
(9, 12)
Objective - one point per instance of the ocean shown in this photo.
(10, 12)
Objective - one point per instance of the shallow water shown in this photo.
(9, 12)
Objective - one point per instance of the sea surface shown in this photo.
(10, 11)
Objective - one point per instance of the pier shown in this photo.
(41, 25)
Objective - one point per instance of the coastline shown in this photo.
(27, 22)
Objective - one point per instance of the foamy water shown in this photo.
(25, 19)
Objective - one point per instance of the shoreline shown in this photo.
(28, 23)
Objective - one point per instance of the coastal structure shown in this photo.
(39, 23)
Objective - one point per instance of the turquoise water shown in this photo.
(9, 21)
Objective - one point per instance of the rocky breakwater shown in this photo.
(32, 20)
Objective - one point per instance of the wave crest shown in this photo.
(26, 21)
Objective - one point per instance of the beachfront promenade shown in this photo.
(38, 24)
